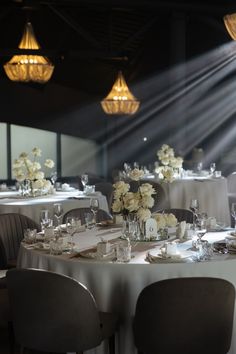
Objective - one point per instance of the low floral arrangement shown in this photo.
(139, 202)
(164, 221)
(171, 164)
(28, 173)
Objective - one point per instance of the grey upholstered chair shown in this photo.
(12, 228)
(57, 314)
(102, 215)
(185, 315)
(180, 214)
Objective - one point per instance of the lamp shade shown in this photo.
(230, 24)
(25, 67)
(120, 100)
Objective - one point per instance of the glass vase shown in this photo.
(130, 227)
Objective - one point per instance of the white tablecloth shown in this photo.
(10, 202)
(116, 286)
(211, 193)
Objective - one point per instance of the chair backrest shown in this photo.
(160, 198)
(185, 315)
(12, 228)
(102, 215)
(231, 182)
(52, 312)
(180, 214)
(106, 188)
(3, 256)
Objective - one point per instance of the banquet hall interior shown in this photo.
(177, 59)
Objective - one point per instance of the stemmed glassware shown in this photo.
(212, 167)
(233, 213)
(84, 180)
(53, 177)
(194, 206)
(94, 206)
(201, 223)
(45, 219)
(71, 228)
(58, 212)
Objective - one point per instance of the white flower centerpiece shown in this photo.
(164, 221)
(29, 175)
(137, 203)
(170, 164)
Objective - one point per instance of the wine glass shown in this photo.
(199, 167)
(212, 167)
(45, 220)
(94, 206)
(194, 206)
(84, 180)
(201, 223)
(71, 228)
(233, 213)
(58, 212)
(53, 177)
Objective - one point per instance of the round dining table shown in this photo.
(211, 193)
(12, 202)
(116, 286)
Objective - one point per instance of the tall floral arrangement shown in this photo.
(170, 164)
(138, 202)
(27, 169)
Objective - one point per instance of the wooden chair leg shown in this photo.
(112, 344)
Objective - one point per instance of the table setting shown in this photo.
(117, 283)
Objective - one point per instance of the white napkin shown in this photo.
(180, 232)
(65, 186)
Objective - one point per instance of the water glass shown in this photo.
(94, 206)
(233, 213)
(194, 206)
(58, 212)
(84, 180)
(56, 246)
(45, 220)
(71, 228)
(212, 167)
(123, 252)
(30, 235)
(89, 221)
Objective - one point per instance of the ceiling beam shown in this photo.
(78, 29)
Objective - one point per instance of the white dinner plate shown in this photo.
(182, 256)
(93, 255)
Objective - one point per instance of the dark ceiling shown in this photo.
(89, 41)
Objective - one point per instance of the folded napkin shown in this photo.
(159, 258)
(175, 258)
(180, 232)
(41, 246)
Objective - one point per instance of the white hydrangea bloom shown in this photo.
(136, 174)
(117, 206)
(131, 201)
(39, 175)
(143, 214)
(49, 163)
(171, 220)
(160, 219)
(146, 189)
(121, 188)
(36, 151)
